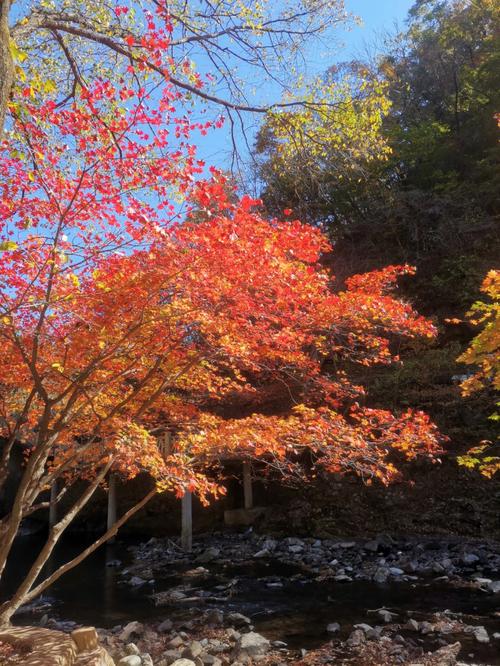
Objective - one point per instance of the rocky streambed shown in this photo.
(247, 598)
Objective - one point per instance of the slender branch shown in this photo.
(90, 549)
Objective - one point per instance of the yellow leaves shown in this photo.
(57, 366)
(16, 53)
(49, 86)
(340, 123)
(6, 246)
(74, 279)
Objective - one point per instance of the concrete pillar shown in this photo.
(54, 488)
(111, 503)
(187, 522)
(247, 485)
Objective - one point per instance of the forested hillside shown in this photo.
(425, 193)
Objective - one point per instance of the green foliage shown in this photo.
(430, 197)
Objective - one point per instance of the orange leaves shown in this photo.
(483, 355)
(117, 315)
(361, 442)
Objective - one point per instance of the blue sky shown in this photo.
(378, 17)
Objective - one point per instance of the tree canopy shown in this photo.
(135, 296)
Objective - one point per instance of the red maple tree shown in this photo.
(119, 312)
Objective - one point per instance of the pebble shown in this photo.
(131, 660)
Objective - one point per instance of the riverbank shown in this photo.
(251, 598)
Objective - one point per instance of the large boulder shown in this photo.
(252, 645)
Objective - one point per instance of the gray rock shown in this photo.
(238, 619)
(385, 615)
(214, 616)
(295, 548)
(131, 629)
(176, 595)
(381, 575)
(262, 553)
(171, 655)
(494, 586)
(470, 558)
(270, 544)
(356, 638)
(480, 634)
(426, 628)
(209, 555)
(210, 660)
(482, 581)
(411, 567)
(183, 662)
(165, 626)
(232, 634)
(363, 627)
(176, 642)
(252, 645)
(137, 581)
(193, 650)
(395, 571)
(216, 646)
(131, 660)
(446, 656)
(131, 648)
(146, 659)
(333, 628)
(371, 546)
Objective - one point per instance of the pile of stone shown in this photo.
(204, 642)
(379, 560)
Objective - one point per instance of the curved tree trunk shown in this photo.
(6, 62)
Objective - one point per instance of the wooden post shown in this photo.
(111, 503)
(247, 485)
(53, 504)
(187, 522)
(165, 443)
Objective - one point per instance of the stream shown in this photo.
(282, 601)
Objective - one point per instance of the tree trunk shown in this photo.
(6, 62)
(111, 518)
(53, 503)
(23, 596)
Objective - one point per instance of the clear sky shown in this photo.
(378, 17)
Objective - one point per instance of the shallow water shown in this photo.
(297, 613)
